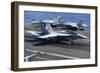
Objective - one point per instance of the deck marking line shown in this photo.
(53, 54)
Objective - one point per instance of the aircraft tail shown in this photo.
(48, 28)
(80, 23)
(57, 20)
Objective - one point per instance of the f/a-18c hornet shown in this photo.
(47, 34)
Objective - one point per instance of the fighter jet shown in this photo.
(56, 22)
(48, 34)
(53, 22)
(73, 26)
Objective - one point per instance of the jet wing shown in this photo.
(63, 33)
(48, 21)
(35, 22)
(71, 24)
(48, 36)
(54, 35)
(32, 33)
(60, 34)
(74, 24)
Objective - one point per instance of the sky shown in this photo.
(30, 16)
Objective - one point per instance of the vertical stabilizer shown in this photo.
(57, 20)
(80, 23)
(49, 28)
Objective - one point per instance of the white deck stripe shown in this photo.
(53, 54)
(42, 58)
(85, 40)
(27, 57)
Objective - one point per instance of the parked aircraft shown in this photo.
(56, 22)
